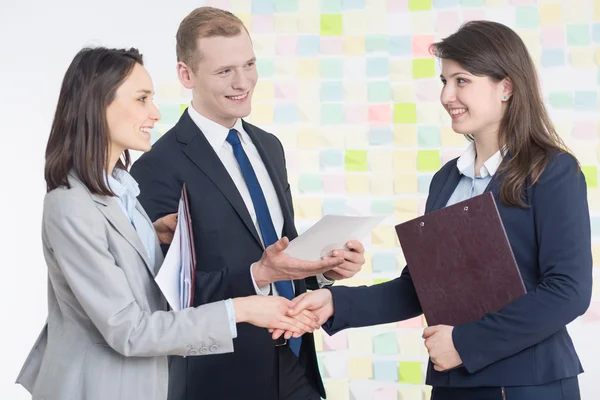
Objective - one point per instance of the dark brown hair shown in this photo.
(79, 138)
(204, 22)
(486, 48)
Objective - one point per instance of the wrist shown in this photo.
(239, 309)
(260, 274)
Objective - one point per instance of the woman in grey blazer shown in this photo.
(108, 330)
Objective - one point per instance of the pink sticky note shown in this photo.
(447, 21)
(262, 24)
(355, 114)
(380, 114)
(420, 45)
(428, 89)
(450, 154)
(520, 3)
(334, 184)
(553, 36)
(339, 341)
(286, 45)
(332, 46)
(386, 393)
(422, 203)
(585, 129)
(398, 6)
(472, 15)
(592, 315)
(291, 159)
(286, 91)
(416, 322)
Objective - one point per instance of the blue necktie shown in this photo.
(263, 216)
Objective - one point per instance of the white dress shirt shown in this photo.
(216, 135)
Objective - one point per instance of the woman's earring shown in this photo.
(505, 97)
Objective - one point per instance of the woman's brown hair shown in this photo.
(79, 138)
(487, 48)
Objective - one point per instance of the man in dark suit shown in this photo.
(240, 203)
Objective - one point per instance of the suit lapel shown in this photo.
(199, 151)
(446, 191)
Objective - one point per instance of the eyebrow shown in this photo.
(454, 74)
(145, 91)
(253, 59)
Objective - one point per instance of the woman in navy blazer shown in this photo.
(490, 89)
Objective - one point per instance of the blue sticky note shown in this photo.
(429, 136)
(400, 45)
(382, 207)
(334, 206)
(265, 67)
(423, 183)
(379, 92)
(385, 370)
(595, 221)
(332, 91)
(381, 136)
(308, 183)
(332, 68)
(528, 17)
(170, 113)
(330, 6)
(263, 7)
(308, 45)
(285, 113)
(286, 6)
(353, 4)
(445, 3)
(553, 57)
(596, 33)
(384, 262)
(332, 114)
(331, 158)
(378, 66)
(586, 100)
(385, 344)
(375, 43)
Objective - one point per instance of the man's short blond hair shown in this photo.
(204, 22)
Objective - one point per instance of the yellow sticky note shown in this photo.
(357, 280)
(355, 91)
(596, 255)
(309, 23)
(384, 237)
(354, 45)
(318, 335)
(360, 368)
(332, 139)
(367, 267)
(410, 372)
(286, 23)
(360, 342)
(577, 11)
(531, 38)
(403, 93)
(262, 113)
(597, 56)
(241, 6)
(308, 139)
(550, 14)
(309, 6)
(288, 139)
(308, 94)
(357, 184)
(380, 160)
(400, 262)
(337, 389)
(264, 91)
(405, 210)
(431, 113)
(356, 138)
(411, 345)
(405, 183)
(405, 161)
(581, 57)
(405, 135)
(374, 22)
(308, 208)
(597, 11)
(422, 23)
(410, 393)
(264, 45)
(382, 184)
(309, 113)
(355, 22)
(309, 159)
(285, 68)
(246, 18)
(308, 68)
(427, 393)
(400, 70)
(452, 139)
(497, 3)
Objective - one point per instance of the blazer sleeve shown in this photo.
(76, 234)
(160, 191)
(562, 225)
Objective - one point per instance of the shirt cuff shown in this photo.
(231, 315)
(322, 281)
(262, 291)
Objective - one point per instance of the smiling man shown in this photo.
(240, 203)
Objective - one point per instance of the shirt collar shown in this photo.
(123, 184)
(215, 133)
(466, 163)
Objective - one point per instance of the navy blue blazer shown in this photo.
(525, 343)
(226, 244)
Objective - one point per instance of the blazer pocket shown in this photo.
(101, 373)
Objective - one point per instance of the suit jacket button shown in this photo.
(214, 348)
(204, 350)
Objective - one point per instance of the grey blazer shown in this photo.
(108, 333)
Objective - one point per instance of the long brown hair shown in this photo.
(79, 138)
(487, 48)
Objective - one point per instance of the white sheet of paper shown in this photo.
(330, 233)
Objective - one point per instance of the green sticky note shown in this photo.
(428, 160)
(376, 43)
(429, 136)
(379, 92)
(410, 372)
(405, 113)
(472, 3)
(528, 17)
(332, 68)
(385, 344)
(265, 67)
(419, 5)
(284, 6)
(578, 35)
(591, 175)
(377, 281)
(356, 160)
(170, 113)
(332, 114)
(331, 24)
(382, 207)
(423, 68)
(561, 99)
(183, 108)
(310, 183)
